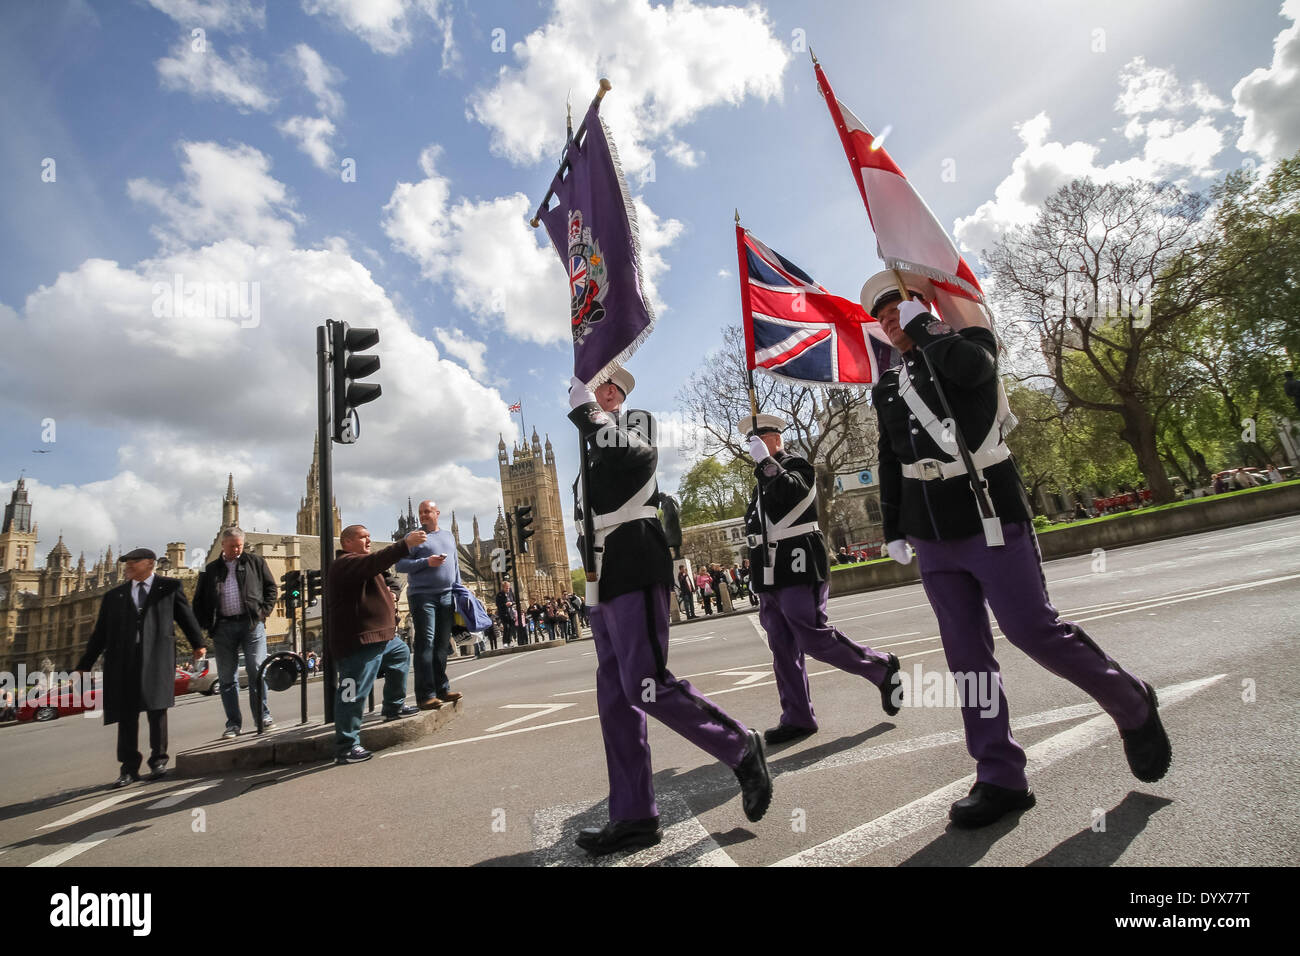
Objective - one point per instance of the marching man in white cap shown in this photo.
(791, 578)
(968, 556)
(629, 622)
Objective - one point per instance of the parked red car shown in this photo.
(64, 703)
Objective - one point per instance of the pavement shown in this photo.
(1211, 620)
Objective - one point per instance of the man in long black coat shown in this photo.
(134, 632)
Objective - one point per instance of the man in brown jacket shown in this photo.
(363, 638)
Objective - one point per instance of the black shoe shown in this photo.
(755, 781)
(125, 780)
(891, 688)
(620, 835)
(409, 710)
(357, 754)
(158, 770)
(987, 804)
(783, 732)
(1147, 748)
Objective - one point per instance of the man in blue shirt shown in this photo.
(432, 570)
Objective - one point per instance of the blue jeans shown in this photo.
(431, 614)
(228, 638)
(357, 673)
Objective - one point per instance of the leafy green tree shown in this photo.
(712, 491)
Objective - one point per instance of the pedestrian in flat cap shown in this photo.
(791, 576)
(234, 596)
(363, 635)
(135, 633)
(968, 558)
(629, 622)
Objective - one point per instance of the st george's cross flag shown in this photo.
(796, 330)
(594, 229)
(908, 236)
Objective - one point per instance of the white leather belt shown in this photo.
(929, 469)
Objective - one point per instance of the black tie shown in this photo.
(140, 596)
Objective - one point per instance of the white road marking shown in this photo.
(747, 677)
(686, 842)
(758, 628)
(508, 660)
(78, 848)
(926, 811)
(504, 733)
(91, 810)
(541, 711)
(592, 690)
(180, 796)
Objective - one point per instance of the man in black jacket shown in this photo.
(134, 632)
(968, 556)
(629, 622)
(234, 597)
(791, 577)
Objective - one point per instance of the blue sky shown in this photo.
(219, 159)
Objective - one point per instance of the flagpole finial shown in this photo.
(813, 55)
(605, 87)
(737, 217)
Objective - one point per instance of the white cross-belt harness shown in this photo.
(778, 531)
(992, 449)
(634, 509)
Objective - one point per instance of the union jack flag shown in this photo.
(516, 407)
(796, 330)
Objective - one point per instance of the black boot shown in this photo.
(755, 781)
(620, 835)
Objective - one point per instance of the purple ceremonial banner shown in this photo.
(594, 229)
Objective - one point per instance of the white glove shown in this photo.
(757, 448)
(899, 551)
(909, 310)
(579, 393)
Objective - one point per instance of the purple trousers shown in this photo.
(632, 680)
(959, 577)
(794, 618)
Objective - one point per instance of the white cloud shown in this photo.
(319, 77)
(470, 351)
(1169, 147)
(228, 15)
(1268, 99)
(203, 73)
(386, 25)
(666, 63)
(1151, 89)
(313, 135)
(501, 271)
(228, 191)
(204, 392)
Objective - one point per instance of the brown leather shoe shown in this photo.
(433, 703)
(451, 697)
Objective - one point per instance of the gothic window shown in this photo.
(872, 506)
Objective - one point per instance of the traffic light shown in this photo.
(291, 588)
(510, 561)
(347, 367)
(314, 589)
(523, 518)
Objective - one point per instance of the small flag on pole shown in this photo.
(796, 330)
(908, 237)
(516, 407)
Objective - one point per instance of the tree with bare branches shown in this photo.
(1098, 284)
(825, 424)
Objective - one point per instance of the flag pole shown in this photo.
(574, 139)
(769, 573)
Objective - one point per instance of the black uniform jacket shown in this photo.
(139, 647)
(621, 459)
(786, 480)
(942, 508)
(257, 588)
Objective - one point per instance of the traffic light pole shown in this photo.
(521, 626)
(325, 434)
